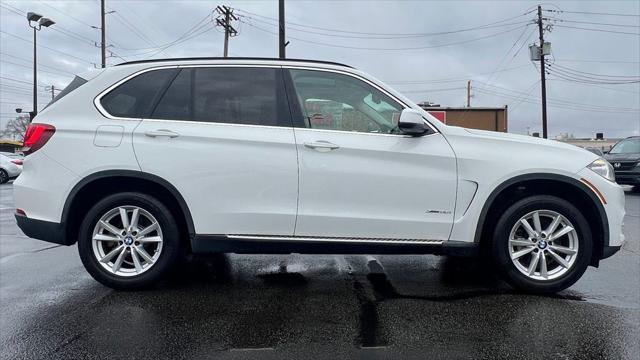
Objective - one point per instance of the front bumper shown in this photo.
(628, 177)
(43, 230)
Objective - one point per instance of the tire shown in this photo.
(518, 272)
(4, 176)
(161, 245)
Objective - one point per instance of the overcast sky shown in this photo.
(394, 41)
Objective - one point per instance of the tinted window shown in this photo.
(176, 102)
(238, 95)
(135, 97)
(341, 102)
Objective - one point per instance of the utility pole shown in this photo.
(469, 93)
(281, 37)
(542, 75)
(103, 43)
(224, 20)
(53, 89)
(35, 76)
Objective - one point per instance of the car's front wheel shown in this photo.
(542, 244)
(128, 240)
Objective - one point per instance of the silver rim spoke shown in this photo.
(562, 249)
(554, 225)
(536, 222)
(565, 230)
(134, 219)
(528, 228)
(118, 262)
(124, 218)
(559, 259)
(144, 255)
(112, 254)
(543, 254)
(534, 263)
(150, 239)
(110, 228)
(119, 244)
(523, 252)
(543, 265)
(136, 261)
(102, 237)
(148, 229)
(521, 242)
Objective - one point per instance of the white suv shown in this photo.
(143, 160)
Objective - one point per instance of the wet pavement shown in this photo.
(304, 306)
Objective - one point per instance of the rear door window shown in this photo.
(135, 97)
(232, 95)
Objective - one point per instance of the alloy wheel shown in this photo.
(543, 245)
(127, 241)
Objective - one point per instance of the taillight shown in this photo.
(17, 162)
(36, 136)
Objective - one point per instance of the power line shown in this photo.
(293, 24)
(599, 61)
(444, 80)
(46, 47)
(599, 30)
(387, 36)
(597, 75)
(594, 108)
(592, 13)
(391, 49)
(29, 61)
(31, 67)
(594, 23)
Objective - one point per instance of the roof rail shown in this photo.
(230, 58)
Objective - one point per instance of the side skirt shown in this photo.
(259, 244)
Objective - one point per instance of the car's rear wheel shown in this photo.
(542, 244)
(128, 240)
(4, 176)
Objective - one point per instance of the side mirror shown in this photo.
(412, 123)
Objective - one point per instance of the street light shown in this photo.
(36, 22)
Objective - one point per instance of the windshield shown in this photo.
(627, 146)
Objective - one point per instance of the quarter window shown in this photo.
(335, 101)
(134, 98)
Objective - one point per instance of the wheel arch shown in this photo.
(102, 183)
(561, 186)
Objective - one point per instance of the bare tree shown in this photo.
(16, 128)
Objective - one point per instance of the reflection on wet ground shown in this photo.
(303, 306)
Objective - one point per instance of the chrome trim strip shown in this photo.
(334, 239)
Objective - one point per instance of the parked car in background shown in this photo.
(625, 158)
(152, 158)
(595, 151)
(10, 168)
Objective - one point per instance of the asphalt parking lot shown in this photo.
(302, 306)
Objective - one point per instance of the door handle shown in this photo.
(161, 133)
(321, 145)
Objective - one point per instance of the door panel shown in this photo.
(375, 186)
(223, 137)
(236, 179)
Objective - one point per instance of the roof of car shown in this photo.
(230, 59)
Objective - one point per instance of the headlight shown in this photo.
(603, 168)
